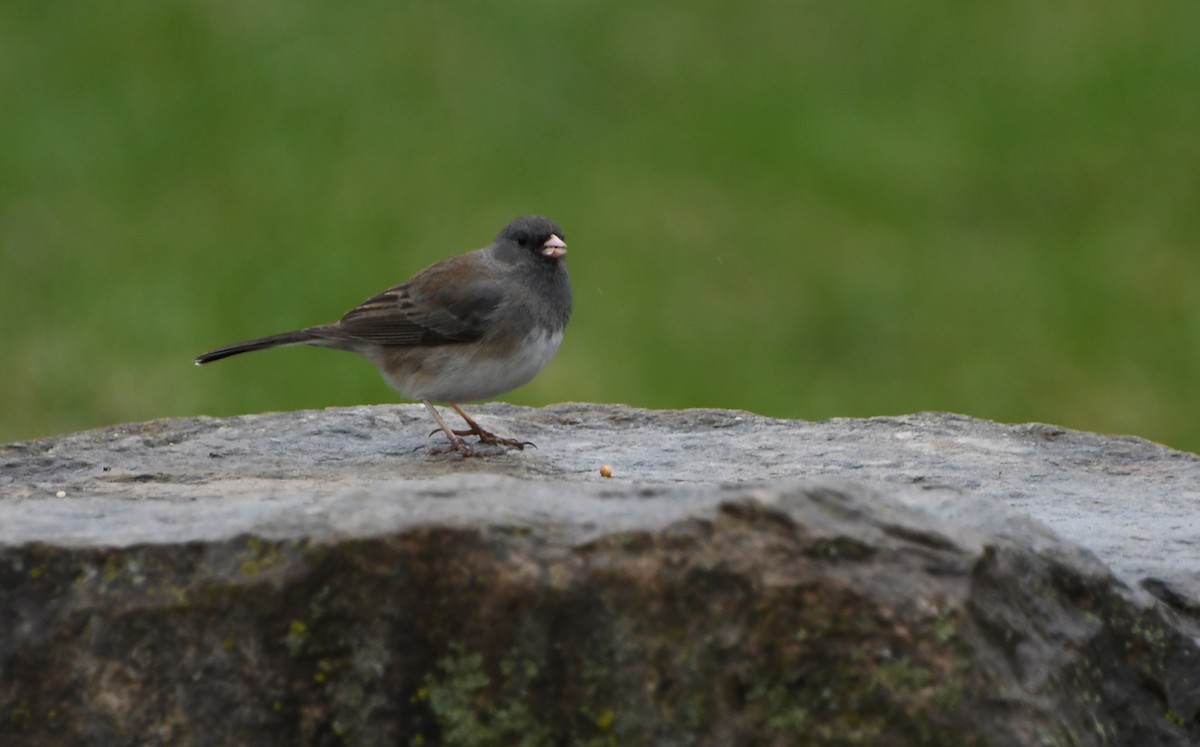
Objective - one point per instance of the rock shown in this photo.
(316, 578)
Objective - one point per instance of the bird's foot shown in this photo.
(473, 429)
(481, 449)
(485, 437)
(462, 447)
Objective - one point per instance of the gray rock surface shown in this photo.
(1134, 503)
(135, 557)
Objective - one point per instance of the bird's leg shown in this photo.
(484, 436)
(456, 443)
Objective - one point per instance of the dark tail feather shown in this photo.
(262, 343)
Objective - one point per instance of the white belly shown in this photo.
(455, 373)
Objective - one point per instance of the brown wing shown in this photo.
(445, 303)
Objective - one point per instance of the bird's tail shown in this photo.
(298, 337)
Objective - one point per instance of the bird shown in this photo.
(467, 328)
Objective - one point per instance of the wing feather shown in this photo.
(437, 307)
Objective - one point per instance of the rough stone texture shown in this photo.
(317, 578)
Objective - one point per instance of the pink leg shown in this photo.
(456, 443)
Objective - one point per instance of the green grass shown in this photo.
(806, 209)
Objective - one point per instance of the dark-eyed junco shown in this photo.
(467, 328)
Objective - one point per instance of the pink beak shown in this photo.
(554, 247)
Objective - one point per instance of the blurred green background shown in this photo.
(804, 209)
